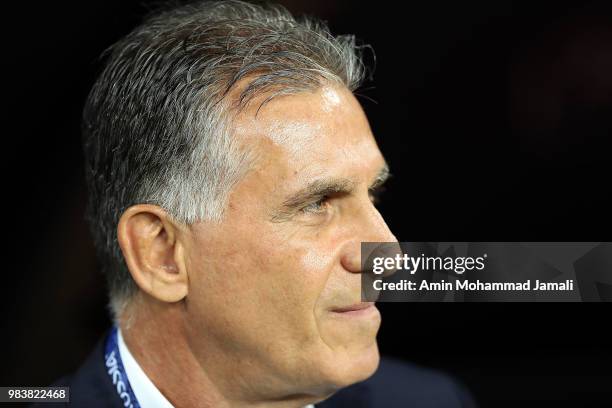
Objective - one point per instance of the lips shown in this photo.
(354, 307)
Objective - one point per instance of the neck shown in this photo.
(158, 338)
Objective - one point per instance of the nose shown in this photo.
(369, 226)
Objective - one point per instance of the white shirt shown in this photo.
(146, 392)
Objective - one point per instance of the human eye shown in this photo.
(317, 207)
(375, 194)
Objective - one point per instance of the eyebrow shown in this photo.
(324, 187)
(382, 176)
(318, 189)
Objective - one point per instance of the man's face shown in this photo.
(269, 286)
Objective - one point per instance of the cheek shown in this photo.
(294, 276)
(261, 284)
(316, 265)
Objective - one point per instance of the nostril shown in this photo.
(351, 264)
(351, 258)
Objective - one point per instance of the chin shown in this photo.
(352, 366)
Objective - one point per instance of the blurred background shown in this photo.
(495, 117)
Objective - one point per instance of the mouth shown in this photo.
(355, 309)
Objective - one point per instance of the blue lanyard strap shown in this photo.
(116, 371)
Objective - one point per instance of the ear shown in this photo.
(148, 238)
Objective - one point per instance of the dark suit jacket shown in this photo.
(395, 384)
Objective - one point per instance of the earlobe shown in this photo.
(149, 240)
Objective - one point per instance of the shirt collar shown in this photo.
(146, 392)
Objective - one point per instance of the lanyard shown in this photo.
(115, 370)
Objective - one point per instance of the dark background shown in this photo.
(496, 120)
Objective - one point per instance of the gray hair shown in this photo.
(156, 122)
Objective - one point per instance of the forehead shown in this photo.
(310, 134)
